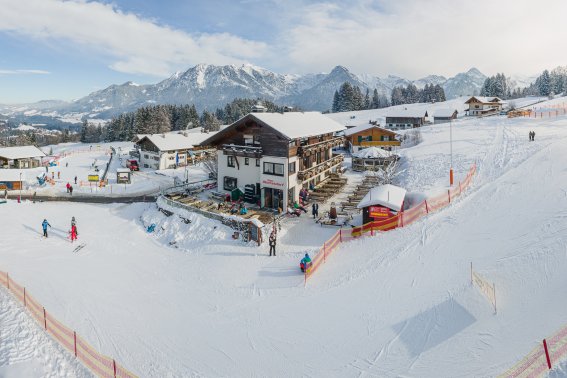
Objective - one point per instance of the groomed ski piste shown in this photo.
(397, 304)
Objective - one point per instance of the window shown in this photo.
(291, 168)
(146, 156)
(274, 169)
(257, 162)
(246, 161)
(230, 161)
(229, 183)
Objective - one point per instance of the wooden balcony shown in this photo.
(380, 143)
(319, 147)
(245, 151)
(306, 174)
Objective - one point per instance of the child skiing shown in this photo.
(44, 226)
(74, 233)
(305, 263)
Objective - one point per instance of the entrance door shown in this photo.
(273, 198)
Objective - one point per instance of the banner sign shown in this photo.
(379, 212)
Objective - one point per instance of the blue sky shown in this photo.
(65, 49)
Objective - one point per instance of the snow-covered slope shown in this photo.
(398, 304)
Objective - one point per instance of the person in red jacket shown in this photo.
(74, 233)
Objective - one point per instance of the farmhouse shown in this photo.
(20, 157)
(445, 115)
(402, 119)
(169, 150)
(271, 156)
(370, 135)
(382, 202)
(372, 159)
(479, 106)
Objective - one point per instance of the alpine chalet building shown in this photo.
(271, 156)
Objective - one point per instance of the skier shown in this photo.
(73, 232)
(58, 175)
(305, 263)
(44, 226)
(533, 135)
(272, 242)
(68, 186)
(75, 180)
(71, 189)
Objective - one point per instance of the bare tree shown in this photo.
(211, 165)
(412, 138)
(388, 173)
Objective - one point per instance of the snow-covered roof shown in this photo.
(445, 112)
(122, 170)
(11, 175)
(177, 140)
(484, 100)
(406, 113)
(361, 128)
(372, 153)
(390, 196)
(21, 152)
(299, 124)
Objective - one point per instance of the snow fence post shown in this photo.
(426, 207)
(341, 235)
(325, 252)
(449, 194)
(371, 228)
(494, 292)
(114, 367)
(25, 304)
(44, 319)
(471, 274)
(546, 354)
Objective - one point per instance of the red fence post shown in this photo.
(546, 354)
(426, 207)
(341, 236)
(44, 319)
(449, 194)
(114, 367)
(25, 297)
(75, 342)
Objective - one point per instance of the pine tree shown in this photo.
(367, 99)
(336, 102)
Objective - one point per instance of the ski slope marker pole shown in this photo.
(546, 354)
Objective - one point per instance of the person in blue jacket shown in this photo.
(44, 226)
(305, 263)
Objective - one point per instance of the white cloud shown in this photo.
(415, 37)
(23, 72)
(135, 45)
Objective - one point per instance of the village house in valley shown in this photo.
(273, 155)
(479, 106)
(20, 157)
(370, 135)
(445, 115)
(402, 119)
(169, 150)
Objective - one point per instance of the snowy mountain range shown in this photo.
(209, 87)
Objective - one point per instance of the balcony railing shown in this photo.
(319, 147)
(379, 143)
(306, 174)
(239, 150)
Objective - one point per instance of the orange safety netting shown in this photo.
(535, 363)
(402, 219)
(99, 364)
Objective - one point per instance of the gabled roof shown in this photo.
(177, 140)
(445, 113)
(290, 125)
(406, 113)
(390, 196)
(484, 100)
(361, 128)
(21, 152)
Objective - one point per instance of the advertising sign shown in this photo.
(379, 212)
